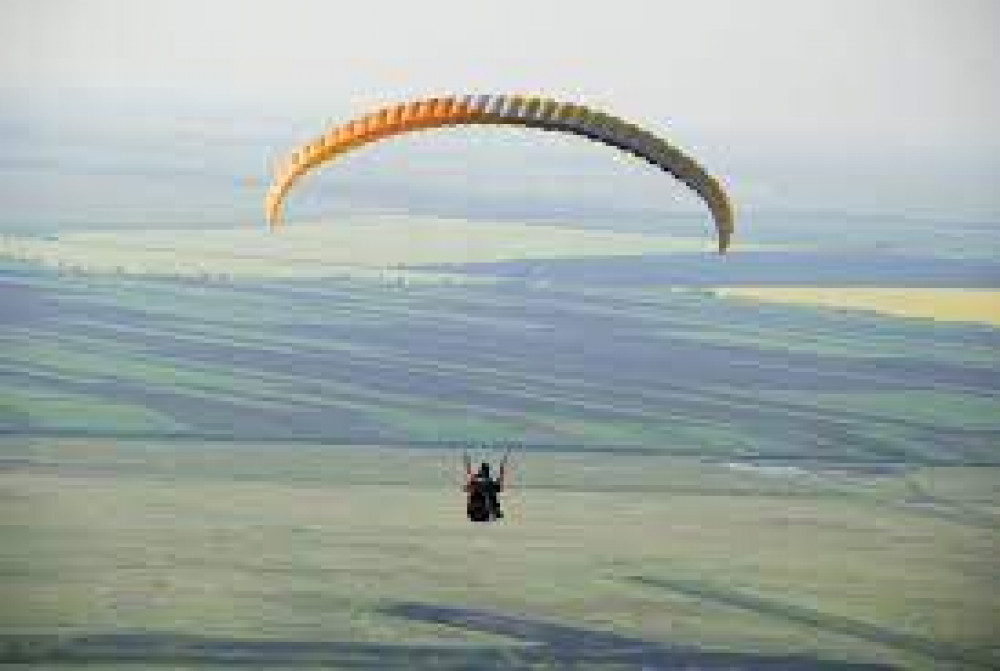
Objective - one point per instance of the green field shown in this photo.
(199, 554)
(235, 449)
(359, 246)
(679, 371)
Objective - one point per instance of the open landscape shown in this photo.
(550, 346)
(197, 554)
(259, 467)
(713, 287)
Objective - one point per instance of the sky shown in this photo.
(856, 105)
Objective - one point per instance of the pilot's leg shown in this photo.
(495, 505)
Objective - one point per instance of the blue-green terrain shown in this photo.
(204, 468)
(554, 363)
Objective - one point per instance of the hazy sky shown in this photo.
(780, 96)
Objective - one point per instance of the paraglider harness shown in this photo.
(482, 504)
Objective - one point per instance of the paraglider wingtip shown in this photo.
(725, 237)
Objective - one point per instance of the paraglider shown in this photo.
(482, 490)
(523, 111)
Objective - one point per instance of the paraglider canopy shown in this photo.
(523, 111)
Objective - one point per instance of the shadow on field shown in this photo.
(541, 643)
(801, 615)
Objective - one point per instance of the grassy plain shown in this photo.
(712, 481)
(234, 548)
(355, 246)
(342, 360)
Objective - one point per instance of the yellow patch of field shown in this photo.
(967, 305)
